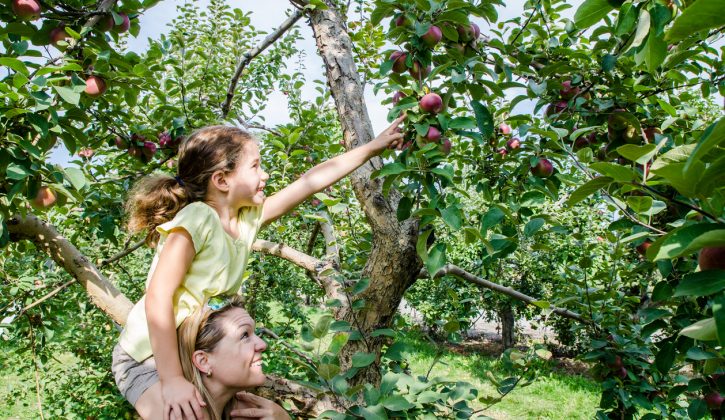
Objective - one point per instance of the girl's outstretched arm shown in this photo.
(181, 398)
(329, 172)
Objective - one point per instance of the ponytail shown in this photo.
(153, 201)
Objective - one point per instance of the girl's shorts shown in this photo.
(133, 378)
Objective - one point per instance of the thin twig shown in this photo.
(48, 296)
(533, 13)
(249, 55)
(122, 254)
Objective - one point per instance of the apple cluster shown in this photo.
(58, 36)
(416, 59)
(143, 149)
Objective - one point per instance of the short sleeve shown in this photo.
(250, 219)
(194, 219)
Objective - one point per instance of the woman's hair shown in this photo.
(157, 198)
(202, 330)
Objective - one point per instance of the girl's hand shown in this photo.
(182, 400)
(250, 406)
(390, 138)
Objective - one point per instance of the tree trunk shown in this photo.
(508, 326)
(393, 264)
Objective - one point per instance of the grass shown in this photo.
(553, 395)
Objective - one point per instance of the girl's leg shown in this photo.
(150, 404)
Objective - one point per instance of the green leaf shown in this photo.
(639, 204)
(701, 283)
(14, 64)
(76, 177)
(453, 217)
(699, 16)
(68, 95)
(360, 286)
(484, 119)
(533, 226)
(703, 330)
(462, 123)
(394, 168)
(588, 188)
(713, 136)
(17, 172)
(533, 199)
(591, 12)
(396, 403)
(338, 342)
(718, 312)
(686, 240)
(617, 172)
(639, 154)
(665, 357)
(436, 259)
(328, 371)
(322, 326)
(686, 183)
(361, 360)
(643, 27)
(655, 51)
(697, 409)
(492, 217)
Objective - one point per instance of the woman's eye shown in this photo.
(245, 335)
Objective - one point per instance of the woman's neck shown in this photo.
(220, 395)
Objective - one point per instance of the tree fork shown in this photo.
(393, 263)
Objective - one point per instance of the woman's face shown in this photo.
(236, 361)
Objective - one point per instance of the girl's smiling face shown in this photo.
(236, 360)
(248, 179)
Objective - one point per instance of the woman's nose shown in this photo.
(261, 345)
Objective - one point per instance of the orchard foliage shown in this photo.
(579, 160)
(616, 86)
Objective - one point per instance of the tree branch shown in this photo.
(122, 254)
(249, 55)
(103, 294)
(454, 270)
(251, 125)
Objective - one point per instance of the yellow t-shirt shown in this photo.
(217, 269)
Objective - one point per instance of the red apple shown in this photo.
(713, 400)
(465, 33)
(513, 143)
(135, 152)
(26, 9)
(165, 140)
(568, 91)
(432, 37)
(476, 31)
(504, 128)
(643, 247)
(621, 373)
(121, 143)
(543, 169)
(149, 149)
(44, 199)
(649, 133)
(316, 202)
(431, 102)
(434, 134)
(502, 151)
(402, 20)
(124, 26)
(95, 86)
(397, 96)
(399, 58)
(58, 34)
(616, 363)
(712, 258)
(105, 23)
(418, 72)
(446, 146)
(556, 108)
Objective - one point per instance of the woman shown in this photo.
(221, 355)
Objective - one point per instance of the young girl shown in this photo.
(204, 220)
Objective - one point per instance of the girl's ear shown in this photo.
(219, 180)
(200, 359)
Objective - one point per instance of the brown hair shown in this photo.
(202, 330)
(157, 198)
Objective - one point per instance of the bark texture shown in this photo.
(393, 264)
(102, 292)
(508, 326)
